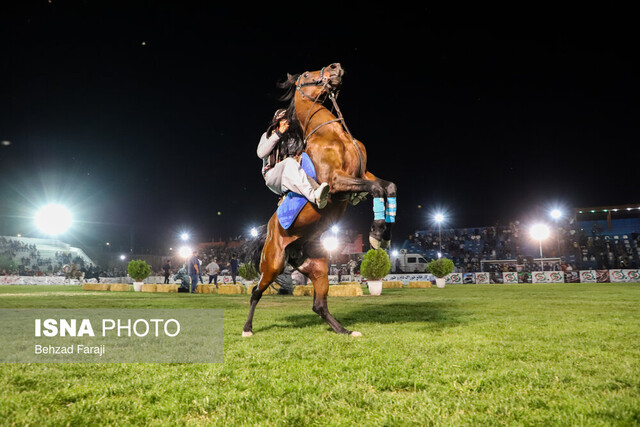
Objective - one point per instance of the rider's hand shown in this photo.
(283, 126)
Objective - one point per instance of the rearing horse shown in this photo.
(339, 160)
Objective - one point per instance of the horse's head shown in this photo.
(315, 84)
(328, 78)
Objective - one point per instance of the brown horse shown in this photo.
(339, 160)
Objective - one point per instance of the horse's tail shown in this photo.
(252, 249)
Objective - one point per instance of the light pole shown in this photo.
(439, 218)
(330, 244)
(540, 232)
(556, 214)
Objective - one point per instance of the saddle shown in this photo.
(292, 203)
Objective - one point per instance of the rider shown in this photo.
(281, 171)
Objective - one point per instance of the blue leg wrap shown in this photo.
(391, 210)
(378, 208)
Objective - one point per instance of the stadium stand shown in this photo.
(31, 256)
(586, 245)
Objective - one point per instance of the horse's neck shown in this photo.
(312, 115)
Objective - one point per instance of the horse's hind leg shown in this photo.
(384, 215)
(384, 203)
(271, 265)
(317, 270)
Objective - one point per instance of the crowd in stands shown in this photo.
(575, 248)
(24, 259)
(222, 253)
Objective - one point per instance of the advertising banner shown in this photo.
(524, 277)
(468, 278)
(547, 277)
(572, 277)
(406, 278)
(624, 275)
(454, 279)
(482, 278)
(588, 276)
(510, 277)
(602, 276)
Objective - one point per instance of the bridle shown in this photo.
(326, 90)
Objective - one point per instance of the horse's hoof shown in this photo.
(355, 334)
(357, 198)
(385, 244)
(246, 334)
(375, 243)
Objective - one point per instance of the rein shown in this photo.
(340, 118)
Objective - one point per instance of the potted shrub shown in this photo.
(440, 268)
(138, 271)
(375, 266)
(248, 272)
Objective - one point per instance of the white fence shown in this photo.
(60, 280)
(582, 276)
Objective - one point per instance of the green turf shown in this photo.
(464, 355)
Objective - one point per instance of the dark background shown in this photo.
(144, 117)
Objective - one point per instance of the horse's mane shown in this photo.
(289, 86)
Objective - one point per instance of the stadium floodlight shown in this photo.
(184, 252)
(330, 243)
(439, 218)
(123, 257)
(556, 214)
(335, 229)
(53, 219)
(540, 232)
(184, 237)
(254, 232)
(394, 253)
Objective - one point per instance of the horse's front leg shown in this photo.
(272, 262)
(384, 203)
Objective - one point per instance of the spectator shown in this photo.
(193, 269)
(233, 267)
(167, 271)
(212, 270)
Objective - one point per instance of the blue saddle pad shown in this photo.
(293, 202)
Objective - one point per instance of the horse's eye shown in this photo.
(306, 74)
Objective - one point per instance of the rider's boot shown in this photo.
(322, 195)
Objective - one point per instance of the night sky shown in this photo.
(144, 117)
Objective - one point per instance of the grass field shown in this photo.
(464, 355)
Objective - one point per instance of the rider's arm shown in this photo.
(267, 143)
